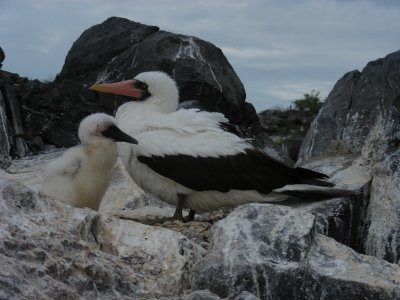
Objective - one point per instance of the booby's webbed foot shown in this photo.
(179, 207)
(178, 214)
(190, 216)
(178, 211)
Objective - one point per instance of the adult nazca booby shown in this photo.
(186, 157)
(82, 174)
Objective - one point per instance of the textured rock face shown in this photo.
(358, 103)
(360, 117)
(274, 253)
(50, 250)
(51, 112)
(286, 127)
(98, 45)
(2, 56)
(5, 145)
(337, 272)
(261, 251)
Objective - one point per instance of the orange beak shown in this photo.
(131, 88)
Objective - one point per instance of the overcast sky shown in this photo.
(280, 49)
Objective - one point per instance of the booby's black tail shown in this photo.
(306, 176)
(314, 192)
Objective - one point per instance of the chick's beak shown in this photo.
(116, 134)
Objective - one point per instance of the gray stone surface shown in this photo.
(275, 253)
(260, 251)
(5, 137)
(257, 248)
(50, 250)
(360, 118)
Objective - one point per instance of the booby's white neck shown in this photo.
(150, 106)
(161, 105)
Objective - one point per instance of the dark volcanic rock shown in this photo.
(286, 127)
(2, 57)
(357, 102)
(291, 146)
(99, 44)
(51, 112)
(200, 68)
(360, 117)
(5, 137)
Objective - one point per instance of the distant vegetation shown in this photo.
(293, 121)
(310, 104)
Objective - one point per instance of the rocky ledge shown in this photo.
(255, 251)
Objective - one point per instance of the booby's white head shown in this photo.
(100, 127)
(156, 89)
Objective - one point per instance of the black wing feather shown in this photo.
(252, 170)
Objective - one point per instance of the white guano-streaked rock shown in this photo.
(274, 252)
(51, 250)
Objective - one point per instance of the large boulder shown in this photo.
(360, 119)
(50, 250)
(99, 45)
(120, 49)
(275, 253)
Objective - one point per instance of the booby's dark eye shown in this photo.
(141, 85)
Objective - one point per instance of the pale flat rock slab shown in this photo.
(196, 231)
(50, 250)
(29, 169)
(123, 192)
(145, 214)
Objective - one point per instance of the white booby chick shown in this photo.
(186, 157)
(82, 174)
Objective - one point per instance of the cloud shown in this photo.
(254, 53)
(280, 49)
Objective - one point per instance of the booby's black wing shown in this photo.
(251, 170)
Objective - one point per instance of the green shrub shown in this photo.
(310, 104)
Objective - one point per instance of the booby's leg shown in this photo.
(177, 215)
(190, 216)
(178, 211)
